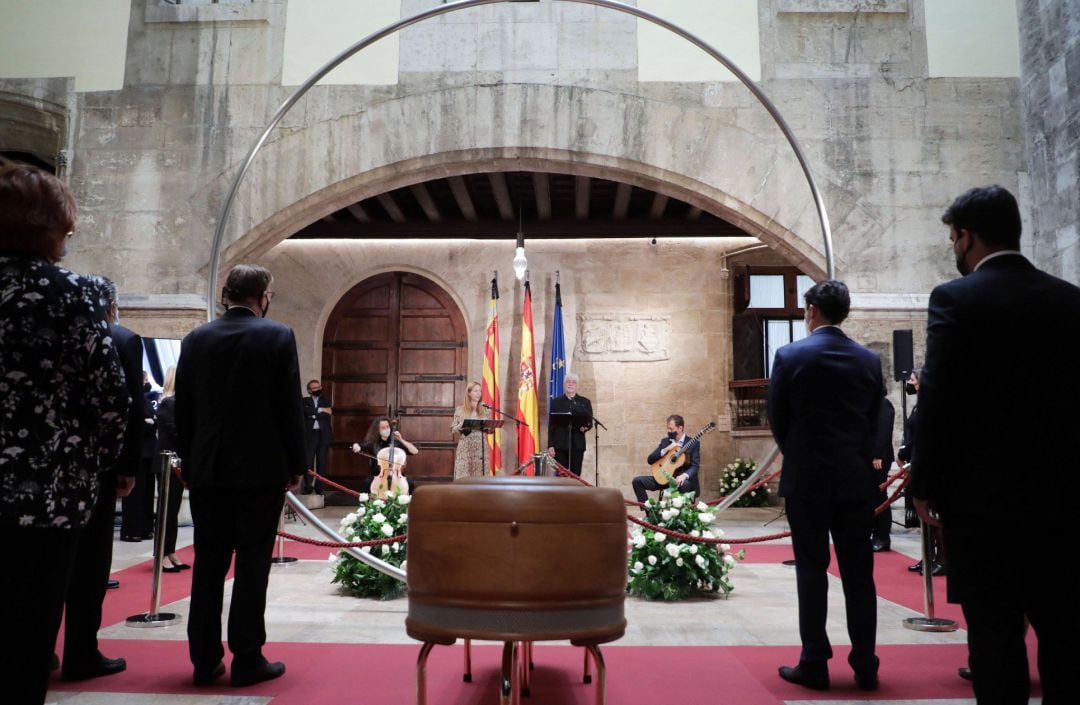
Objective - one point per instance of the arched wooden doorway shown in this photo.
(396, 341)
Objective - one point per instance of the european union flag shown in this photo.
(558, 353)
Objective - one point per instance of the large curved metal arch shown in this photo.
(793, 142)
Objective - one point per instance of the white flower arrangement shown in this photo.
(734, 476)
(373, 519)
(663, 567)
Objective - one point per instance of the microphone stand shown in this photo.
(515, 419)
(597, 425)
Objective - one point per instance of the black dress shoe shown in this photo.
(809, 675)
(171, 569)
(915, 567)
(965, 673)
(877, 545)
(112, 584)
(203, 677)
(103, 667)
(937, 569)
(866, 678)
(264, 671)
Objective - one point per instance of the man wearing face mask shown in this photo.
(997, 435)
(237, 467)
(686, 477)
(93, 557)
(317, 435)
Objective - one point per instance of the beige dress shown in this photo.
(470, 456)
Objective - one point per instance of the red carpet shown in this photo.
(328, 674)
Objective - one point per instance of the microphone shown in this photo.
(484, 405)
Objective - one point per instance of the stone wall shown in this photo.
(1050, 90)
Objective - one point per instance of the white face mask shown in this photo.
(385, 433)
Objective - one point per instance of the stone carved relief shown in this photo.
(622, 337)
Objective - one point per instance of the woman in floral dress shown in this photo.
(469, 459)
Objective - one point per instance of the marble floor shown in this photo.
(303, 606)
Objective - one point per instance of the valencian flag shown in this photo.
(558, 352)
(490, 389)
(527, 410)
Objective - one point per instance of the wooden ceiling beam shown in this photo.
(391, 208)
(622, 201)
(462, 197)
(582, 185)
(542, 188)
(659, 203)
(502, 195)
(358, 212)
(427, 203)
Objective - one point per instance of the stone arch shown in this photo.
(680, 149)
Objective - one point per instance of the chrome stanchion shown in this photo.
(540, 466)
(929, 623)
(281, 558)
(154, 618)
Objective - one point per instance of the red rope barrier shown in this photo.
(560, 470)
(333, 484)
(335, 544)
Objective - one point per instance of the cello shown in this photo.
(391, 479)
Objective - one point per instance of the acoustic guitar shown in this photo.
(665, 469)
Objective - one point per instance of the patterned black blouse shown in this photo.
(63, 404)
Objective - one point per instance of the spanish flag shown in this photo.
(527, 410)
(490, 389)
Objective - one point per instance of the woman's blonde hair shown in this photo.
(466, 405)
(169, 388)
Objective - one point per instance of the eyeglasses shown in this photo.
(269, 295)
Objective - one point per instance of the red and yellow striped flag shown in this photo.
(527, 410)
(489, 392)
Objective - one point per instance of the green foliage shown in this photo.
(373, 519)
(664, 568)
(734, 475)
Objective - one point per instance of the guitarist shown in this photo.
(687, 479)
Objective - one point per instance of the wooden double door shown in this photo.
(395, 343)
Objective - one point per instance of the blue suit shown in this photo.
(824, 396)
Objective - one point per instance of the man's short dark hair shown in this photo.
(246, 282)
(311, 382)
(678, 420)
(988, 211)
(831, 297)
(36, 211)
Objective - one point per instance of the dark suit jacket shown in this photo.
(326, 434)
(824, 397)
(883, 447)
(238, 418)
(999, 403)
(693, 462)
(129, 348)
(557, 434)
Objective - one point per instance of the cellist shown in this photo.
(378, 437)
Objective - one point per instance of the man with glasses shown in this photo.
(240, 436)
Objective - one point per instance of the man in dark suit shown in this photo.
(237, 463)
(998, 438)
(686, 476)
(566, 440)
(318, 434)
(824, 397)
(93, 557)
(883, 460)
